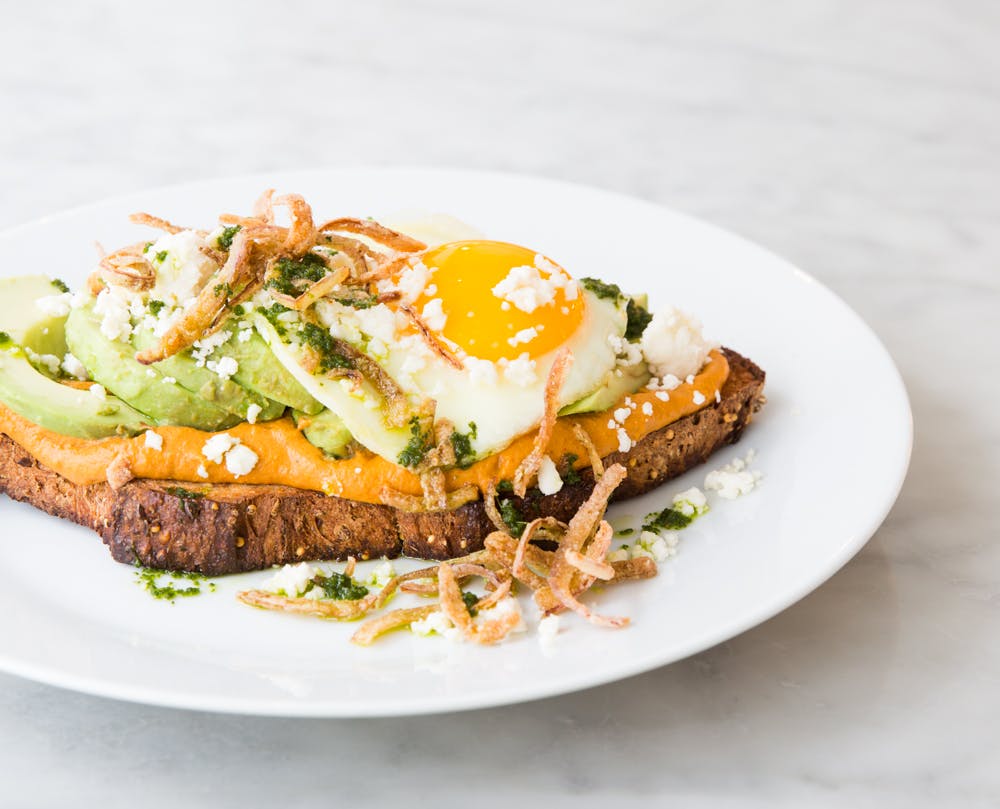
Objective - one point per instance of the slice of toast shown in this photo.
(237, 527)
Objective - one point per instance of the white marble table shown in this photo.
(859, 139)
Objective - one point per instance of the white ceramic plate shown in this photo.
(833, 443)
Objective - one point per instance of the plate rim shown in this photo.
(634, 665)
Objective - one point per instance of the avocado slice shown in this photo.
(26, 324)
(633, 378)
(113, 364)
(207, 384)
(367, 424)
(261, 372)
(61, 408)
(325, 430)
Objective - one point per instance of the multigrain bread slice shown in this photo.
(235, 528)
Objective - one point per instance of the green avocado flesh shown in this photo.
(37, 397)
(113, 364)
(326, 431)
(261, 372)
(633, 378)
(24, 322)
(225, 393)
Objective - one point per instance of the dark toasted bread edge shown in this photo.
(237, 527)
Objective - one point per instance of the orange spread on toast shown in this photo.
(285, 457)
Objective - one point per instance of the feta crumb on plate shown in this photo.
(290, 580)
(734, 479)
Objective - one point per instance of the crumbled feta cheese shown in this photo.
(520, 371)
(647, 408)
(112, 306)
(625, 443)
(381, 575)
(244, 335)
(718, 396)
(621, 414)
(252, 412)
(662, 395)
(481, 372)
(224, 368)
(98, 391)
(654, 546)
(523, 336)
(673, 344)
(525, 288)
(49, 361)
(151, 373)
(241, 460)
(55, 305)
(291, 580)
(548, 628)
(549, 481)
(218, 445)
(202, 349)
(698, 397)
(153, 440)
(691, 502)
(184, 268)
(734, 479)
(412, 282)
(201, 471)
(436, 623)
(169, 380)
(73, 367)
(621, 554)
(433, 315)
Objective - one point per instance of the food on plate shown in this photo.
(260, 394)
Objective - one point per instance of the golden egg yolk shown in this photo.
(483, 324)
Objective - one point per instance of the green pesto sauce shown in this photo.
(670, 519)
(625, 532)
(184, 494)
(470, 600)
(365, 302)
(465, 456)
(421, 442)
(512, 517)
(324, 344)
(59, 284)
(340, 587)
(155, 307)
(225, 240)
(289, 272)
(4, 338)
(601, 289)
(570, 475)
(638, 319)
(271, 314)
(163, 584)
(161, 256)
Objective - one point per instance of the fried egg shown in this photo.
(471, 327)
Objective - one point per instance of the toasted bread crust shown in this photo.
(237, 527)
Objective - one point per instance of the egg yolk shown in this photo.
(495, 325)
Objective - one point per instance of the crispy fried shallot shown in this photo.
(321, 608)
(233, 281)
(369, 631)
(588, 443)
(433, 342)
(140, 218)
(375, 232)
(529, 467)
(418, 503)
